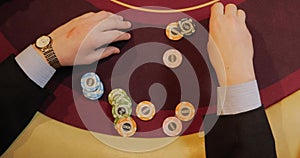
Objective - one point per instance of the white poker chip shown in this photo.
(172, 58)
(94, 95)
(90, 82)
(187, 26)
(172, 126)
(185, 111)
(145, 110)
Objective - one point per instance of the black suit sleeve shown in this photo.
(19, 101)
(245, 135)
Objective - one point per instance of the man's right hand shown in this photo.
(230, 45)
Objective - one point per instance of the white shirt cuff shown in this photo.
(238, 98)
(35, 66)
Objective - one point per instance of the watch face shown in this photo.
(43, 41)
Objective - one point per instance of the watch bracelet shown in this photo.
(51, 57)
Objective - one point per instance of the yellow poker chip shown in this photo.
(172, 126)
(185, 111)
(173, 31)
(145, 110)
(172, 58)
(126, 126)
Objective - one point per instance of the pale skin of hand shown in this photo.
(230, 45)
(75, 42)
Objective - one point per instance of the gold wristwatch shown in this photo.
(44, 43)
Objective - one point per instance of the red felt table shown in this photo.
(272, 25)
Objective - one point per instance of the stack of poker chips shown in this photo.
(121, 111)
(92, 86)
(172, 126)
(184, 27)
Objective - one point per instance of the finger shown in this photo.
(217, 10)
(113, 23)
(87, 15)
(118, 17)
(241, 14)
(107, 37)
(109, 51)
(231, 9)
(123, 37)
(103, 53)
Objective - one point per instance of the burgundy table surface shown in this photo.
(272, 24)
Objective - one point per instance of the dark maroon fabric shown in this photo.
(272, 24)
(153, 16)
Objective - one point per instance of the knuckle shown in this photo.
(230, 6)
(216, 22)
(103, 12)
(90, 13)
(231, 18)
(86, 15)
(114, 22)
(120, 33)
(106, 14)
(217, 5)
(249, 36)
(242, 11)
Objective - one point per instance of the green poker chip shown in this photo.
(122, 101)
(114, 94)
(121, 110)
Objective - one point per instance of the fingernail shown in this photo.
(128, 35)
(128, 24)
(117, 51)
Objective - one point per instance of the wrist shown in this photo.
(237, 74)
(44, 45)
(40, 53)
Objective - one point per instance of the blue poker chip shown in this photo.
(94, 95)
(90, 82)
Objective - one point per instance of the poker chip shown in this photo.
(186, 26)
(92, 87)
(173, 31)
(115, 94)
(125, 100)
(172, 58)
(118, 118)
(120, 110)
(90, 82)
(126, 126)
(172, 126)
(145, 110)
(95, 95)
(185, 111)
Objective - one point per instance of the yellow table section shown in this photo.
(48, 138)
